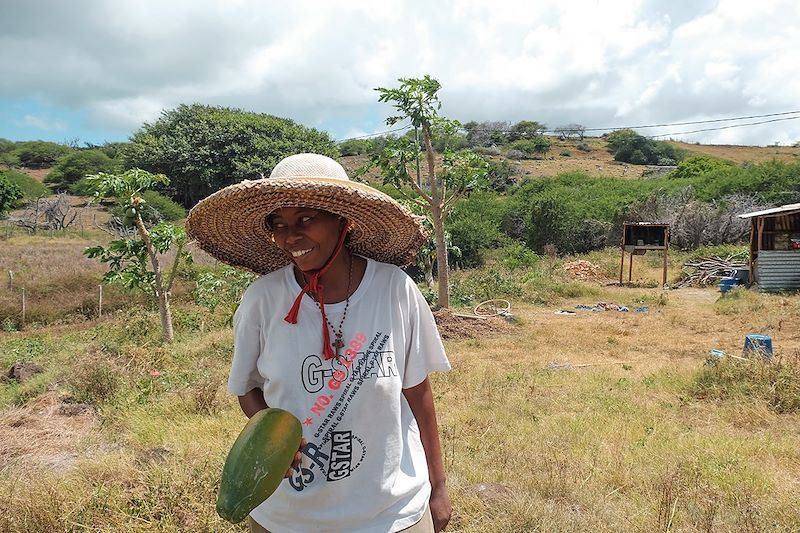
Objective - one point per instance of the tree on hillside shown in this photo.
(526, 129)
(128, 258)
(39, 154)
(630, 147)
(205, 148)
(70, 168)
(416, 100)
(569, 131)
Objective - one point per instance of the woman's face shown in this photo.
(307, 235)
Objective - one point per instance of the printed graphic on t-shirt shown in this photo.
(335, 452)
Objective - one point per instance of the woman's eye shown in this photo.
(306, 219)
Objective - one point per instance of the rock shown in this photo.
(21, 372)
(489, 492)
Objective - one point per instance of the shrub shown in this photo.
(157, 208)
(9, 194)
(356, 147)
(630, 147)
(94, 380)
(565, 153)
(536, 145)
(500, 174)
(30, 187)
(699, 165)
(583, 147)
(516, 155)
(73, 166)
(39, 154)
(475, 225)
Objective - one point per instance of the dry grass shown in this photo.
(618, 436)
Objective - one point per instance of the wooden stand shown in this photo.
(637, 239)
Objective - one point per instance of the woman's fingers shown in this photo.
(298, 457)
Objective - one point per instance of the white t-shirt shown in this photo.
(364, 468)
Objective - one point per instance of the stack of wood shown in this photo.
(582, 269)
(708, 270)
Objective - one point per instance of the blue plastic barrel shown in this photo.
(758, 343)
(726, 284)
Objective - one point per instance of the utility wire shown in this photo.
(642, 126)
(724, 127)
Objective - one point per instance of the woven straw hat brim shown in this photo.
(230, 224)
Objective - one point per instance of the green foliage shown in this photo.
(474, 225)
(155, 208)
(70, 168)
(537, 145)
(356, 147)
(30, 187)
(774, 182)
(127, 187)
(630, 147)
(128, 259)
(500, 174)
(39, 154)
(9, 194)
(698, 166)
(517, 256)
(205, 148)
(223, 287)
(526, 129)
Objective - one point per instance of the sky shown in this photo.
(94, 71)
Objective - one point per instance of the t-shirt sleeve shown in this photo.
(244, 375)
(424, 350)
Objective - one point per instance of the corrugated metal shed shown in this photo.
(784, 209)
(778, 270)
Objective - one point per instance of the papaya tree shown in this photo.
(461, 171)
(128, 258)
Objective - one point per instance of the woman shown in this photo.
(339, 336)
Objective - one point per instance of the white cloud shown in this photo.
(43, 123)
(597, 63)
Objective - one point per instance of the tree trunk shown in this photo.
(443, 269)
(167, 332)
(437, 214)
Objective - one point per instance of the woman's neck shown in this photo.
(341, 279)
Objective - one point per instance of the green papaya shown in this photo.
(257, 462)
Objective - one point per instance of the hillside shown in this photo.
(564, 156)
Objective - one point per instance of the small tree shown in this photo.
(417, 101)
(9, 194)
(128, 258)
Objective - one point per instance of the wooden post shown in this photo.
(100, 304)
(760, 233)
(666, 249)
(622, 260)
(750, 249)
(10, 280)
(22, 323)
(630, 269)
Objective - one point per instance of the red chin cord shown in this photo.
(314, 287)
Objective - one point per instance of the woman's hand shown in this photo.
(298, 456)
(441, 509)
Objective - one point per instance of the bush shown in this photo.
(500, 174)
(699, 165)
(30, 187)
(70, 168)
(583, 147)
(536, 145)
(516, 155)
(474, 225)
(356, 147)
(9, 194)
(630, 147)
(157, 208)
(39, 154)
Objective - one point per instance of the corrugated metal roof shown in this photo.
(778, 270)
(782, 209)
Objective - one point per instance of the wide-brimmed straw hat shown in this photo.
(231, 223)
